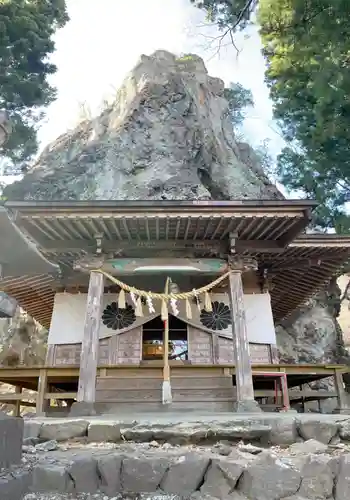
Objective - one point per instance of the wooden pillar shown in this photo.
(342, 396)
(17, 410)
(40, 398)
(244, 378)
(90, 343)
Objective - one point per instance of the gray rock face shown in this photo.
(167, 136)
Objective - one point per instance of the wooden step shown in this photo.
(116, 383)
(184, 394)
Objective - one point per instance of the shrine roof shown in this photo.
(72, 223)
(57, 233)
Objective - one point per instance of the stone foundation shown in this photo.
(275, 429)
(256, 458)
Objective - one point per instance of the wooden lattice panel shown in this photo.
(200, 349)
(129, 347)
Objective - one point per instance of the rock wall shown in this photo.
(271, 458)
(168, 135)
(344, 315)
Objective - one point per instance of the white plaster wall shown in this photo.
(67, 323)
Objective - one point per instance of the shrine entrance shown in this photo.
(153, 339)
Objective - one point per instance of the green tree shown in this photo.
(26, 29)
(306, 44)
(239, 99)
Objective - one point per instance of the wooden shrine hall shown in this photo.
(151, 304)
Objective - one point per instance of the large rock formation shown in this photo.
(168, 135)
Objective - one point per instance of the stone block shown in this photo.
(317, 477)
(342, 483)
(269, 478)
(321, 430)
(51, 477)
(31, 428)
(310, 446)
(80, 409)
(83, 471)
(46, 446)
(104, 432)
(63, 430)
(283, 431)
(221, 478)
(109, 469)
(15, 485)
(185, 474)
(143, 474)
(11, 437)
(344, 430)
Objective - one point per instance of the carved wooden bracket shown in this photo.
(89, 263)
(242, 264)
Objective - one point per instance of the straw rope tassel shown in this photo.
(166, 387)
(138, 308)
(121, 299)
(207, 302)
(188, 309)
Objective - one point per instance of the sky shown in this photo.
(104, 39)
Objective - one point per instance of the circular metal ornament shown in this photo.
(217, 319)
(115, 318)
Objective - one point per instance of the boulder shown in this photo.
(320, 430)
(104, 432)
(283, 431)
(143, 474)
(344, 431)
(11, 437)
(269, 478)
(310, 446)
(63, 429)
(221, 478)
(15, 485)
(51, 477)
(342, 484)
(31, 428)
(317, 477)
(185, 474)
(109, 469)
(51, 445)
(83, 471)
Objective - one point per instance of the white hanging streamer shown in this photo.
(197, 299)
(133, 298)
(150, 304)
(173, 303)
